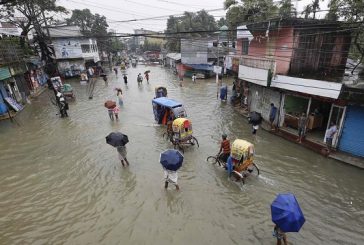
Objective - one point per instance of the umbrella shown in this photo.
(146, 71)
(171, 159)
(255, 118)
(117, 139)
(286, 213)
(109, 104)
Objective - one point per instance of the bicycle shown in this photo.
(216, 160)
(241, 171)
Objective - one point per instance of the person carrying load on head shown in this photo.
(224, 148)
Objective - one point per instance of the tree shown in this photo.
(196, 23)
(92, 25)
(32, 14)
(352, 11)
(333, 10)
(286, 9)
(222, 22)
(313, 8)
(35, 14)
(248, 11)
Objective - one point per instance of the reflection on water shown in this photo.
(60, 182)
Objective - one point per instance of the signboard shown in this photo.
(15, 105)
(217, 69)
(67, 48)
(4, 73)
(253, 75)
(56, 82)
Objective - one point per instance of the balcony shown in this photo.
(256, 69)
(258, 62)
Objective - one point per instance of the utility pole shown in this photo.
(218, 64)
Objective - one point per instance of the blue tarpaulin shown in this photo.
(163, 101)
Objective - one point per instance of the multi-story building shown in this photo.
(73, 51)
(299, 64)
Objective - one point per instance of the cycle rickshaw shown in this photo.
(181, 134)
(242, 159)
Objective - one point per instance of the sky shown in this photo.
(124, 10)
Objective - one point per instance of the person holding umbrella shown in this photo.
(119, 140)
(146, 73)
(286, 215)
(110, 105)
(171, 161)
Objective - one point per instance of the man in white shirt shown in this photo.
(329, 135)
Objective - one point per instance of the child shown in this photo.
(170, 176)
(116, 111)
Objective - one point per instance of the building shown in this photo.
(298, 64)
(13, 87)
(73, 51)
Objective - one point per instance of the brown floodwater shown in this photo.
(60, 183)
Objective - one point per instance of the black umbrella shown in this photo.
(255, 118)
(117, 139)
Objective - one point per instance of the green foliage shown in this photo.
(248, 11)
(94, 25)
(222, 22)
(286, 9)
(352, 11)
(32, 18)
(189, 22)
(312, 8)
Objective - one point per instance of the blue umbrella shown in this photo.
(171, 159)
(286, 213)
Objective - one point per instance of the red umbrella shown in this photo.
(109, 104)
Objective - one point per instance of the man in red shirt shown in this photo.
(224, 148)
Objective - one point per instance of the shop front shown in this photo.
(352, 134)
(318, 111)
(9, 92)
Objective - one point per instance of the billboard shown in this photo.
(67, 48)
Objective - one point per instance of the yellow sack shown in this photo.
(182, 127)
(240, 148)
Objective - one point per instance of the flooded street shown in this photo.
(62, 184)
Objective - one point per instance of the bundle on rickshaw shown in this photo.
(242, 157)
(182, 133)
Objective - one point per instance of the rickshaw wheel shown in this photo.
(194, 140)
(238, 177)
(253, 170)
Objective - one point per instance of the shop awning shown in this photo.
(202, 67)
(308, 86)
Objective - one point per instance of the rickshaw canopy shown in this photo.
(240, 148)
(182, 128)
(166, 102)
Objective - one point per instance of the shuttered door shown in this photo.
(352, 138)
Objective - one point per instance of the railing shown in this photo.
(258, 62)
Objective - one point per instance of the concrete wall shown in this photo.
(260, 99)
(279, 46)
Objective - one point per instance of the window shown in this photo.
(86, 48)
(245, 46)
